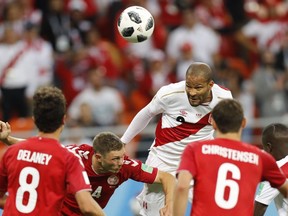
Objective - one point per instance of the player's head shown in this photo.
(49, 108)
(275, 140)
(109, 152)
(199, 83)
(228, 116)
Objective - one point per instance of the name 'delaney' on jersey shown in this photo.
(34, 157)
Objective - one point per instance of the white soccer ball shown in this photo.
(135, 24)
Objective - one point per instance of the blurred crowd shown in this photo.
(75, 45)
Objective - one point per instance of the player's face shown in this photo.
(198, 90)
(113, 161)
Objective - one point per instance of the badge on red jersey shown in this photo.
(113, 180)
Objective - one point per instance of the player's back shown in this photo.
(37, 172)
(226, 175)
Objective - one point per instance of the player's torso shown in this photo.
(103, 186)
(35, 168)
(223, 181)
(181, 123)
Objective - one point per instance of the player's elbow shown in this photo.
(164, 177)
(182, 188)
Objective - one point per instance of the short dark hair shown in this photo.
(228, 115)
(49, 108)
(275, 133)
(106, 142)
(200, 69)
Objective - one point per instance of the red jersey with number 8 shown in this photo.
(37, 174)
(226, 174)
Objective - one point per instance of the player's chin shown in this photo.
(194, 102)
(115, 170)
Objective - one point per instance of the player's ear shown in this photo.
(214, 125)
(211, 83)
(244, 122)
(98, 156)
(64, 119)
(269, 147)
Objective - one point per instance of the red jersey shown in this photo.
(226, 174)
(104, 185)
(37, 173)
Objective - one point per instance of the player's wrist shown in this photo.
(5, 140)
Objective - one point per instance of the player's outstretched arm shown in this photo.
(168, 182)
(259, 209)
(5, 131)
(138, 123)
(88, 205)
(181, 193)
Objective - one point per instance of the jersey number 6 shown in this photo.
(224, 183)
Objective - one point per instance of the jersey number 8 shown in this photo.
(29, 188)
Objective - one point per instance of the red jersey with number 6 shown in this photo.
(37, 173)
(104, 185)
(226, 174)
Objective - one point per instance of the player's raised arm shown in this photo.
(168, 182)
(5, 131)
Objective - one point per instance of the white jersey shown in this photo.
(266, 194)
(180, 123)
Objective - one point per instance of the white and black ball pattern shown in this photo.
(135, 24)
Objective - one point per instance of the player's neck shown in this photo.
(49, 135)
(232, 136)
(208, 99)
(54, 135)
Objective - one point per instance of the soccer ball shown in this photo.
(135, 24)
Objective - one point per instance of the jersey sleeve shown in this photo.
(157, 106)
(139, 171)
(271, 172)
(265, 193)
(187, 161)
(77, 177)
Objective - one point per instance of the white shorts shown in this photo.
(152, 197)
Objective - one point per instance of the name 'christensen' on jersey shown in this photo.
(34, 157)
(242, 156)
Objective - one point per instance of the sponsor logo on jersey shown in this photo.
(113, 180)
(183, 113)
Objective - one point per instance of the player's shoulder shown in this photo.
(283, 161)
(172, 89)
(221, 91)
(131, 163)
(82, 150)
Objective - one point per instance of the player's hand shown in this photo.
(5, 130)
(166, 210)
